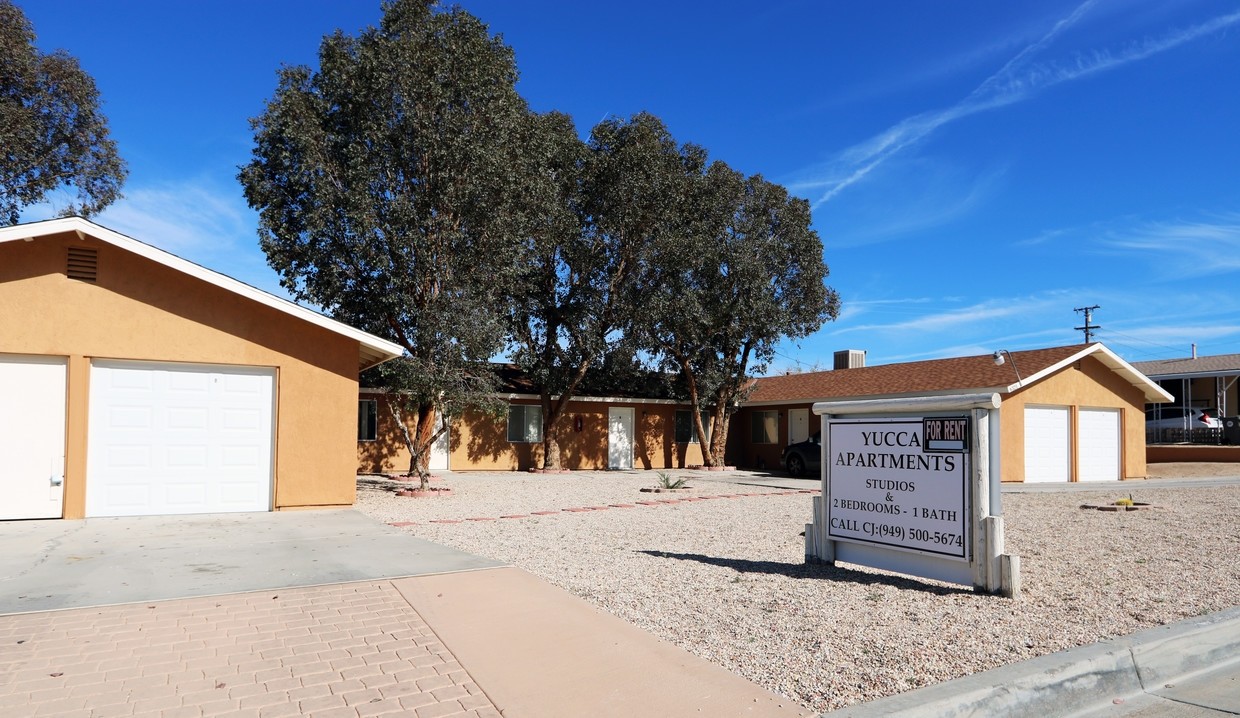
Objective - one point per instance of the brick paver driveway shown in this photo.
(355, 649)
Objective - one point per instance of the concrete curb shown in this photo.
(1076, 680)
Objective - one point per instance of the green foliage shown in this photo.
(745, 271)
(389, 186)
(596, 211)
(667, 482)
(52, 131)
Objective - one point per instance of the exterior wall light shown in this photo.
(998, 357)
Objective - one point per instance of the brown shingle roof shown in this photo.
(960, 374)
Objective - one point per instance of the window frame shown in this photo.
(757, 427)
(531, 430)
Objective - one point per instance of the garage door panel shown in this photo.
(188, 418)
(1099, 444)
(243, 419)
(171, 438)
(1047, 444)
(187, 457)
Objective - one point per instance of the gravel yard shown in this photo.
(725, 578)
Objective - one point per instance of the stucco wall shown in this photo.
(141, 310)
(1087, 384)
(479, 442)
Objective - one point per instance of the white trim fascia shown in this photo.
(1154, 393)
(381, 350)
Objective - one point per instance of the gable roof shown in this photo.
(372, 350)
(972, 374)
(1217, 365)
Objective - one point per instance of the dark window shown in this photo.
(367, 420)
(765, 426)
(686, 432)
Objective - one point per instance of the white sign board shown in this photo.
(889, 488)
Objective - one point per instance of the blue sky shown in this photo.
(976, 169)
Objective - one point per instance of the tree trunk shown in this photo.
(426, 436)
(719, 433)
(552, 411)
(708, 454)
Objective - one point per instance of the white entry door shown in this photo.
(32, 437)
(1098, 445)
(798, 425)
(620, 437)
(441, 448)
(1047, 444)
(179, 439)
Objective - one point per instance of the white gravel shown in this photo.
(726, 578)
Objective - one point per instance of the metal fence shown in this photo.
(1185, 436)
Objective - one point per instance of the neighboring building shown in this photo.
(603, 428)
(1074, 413)
(1208, 383)
(136, 382)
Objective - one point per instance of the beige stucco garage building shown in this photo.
(136, 382)
(1071, 413)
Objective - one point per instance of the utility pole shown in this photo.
(1089, 317)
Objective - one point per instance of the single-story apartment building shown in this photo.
(1071, 413)
(137, 382)
(603, 428)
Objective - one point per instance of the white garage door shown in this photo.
(1047, 444)
(1098, 444)
(32, 437)
(178, 439)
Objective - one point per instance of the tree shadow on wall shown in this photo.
(819, 571)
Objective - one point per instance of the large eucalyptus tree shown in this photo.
(598, 211)
(746, 272)
(389, 190)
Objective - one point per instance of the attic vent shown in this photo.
(83, 263)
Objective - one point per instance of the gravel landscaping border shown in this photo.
(725, 578)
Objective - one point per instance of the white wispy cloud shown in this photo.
(1181, 249)
(187, 217)
(199, 219)
(966, 316)
(1019, 79)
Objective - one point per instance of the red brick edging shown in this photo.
(588, 509)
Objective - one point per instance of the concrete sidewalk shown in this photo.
(478, 644)
(1190, 668)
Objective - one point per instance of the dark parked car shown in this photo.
(804, 456)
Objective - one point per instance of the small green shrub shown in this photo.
(667, 482)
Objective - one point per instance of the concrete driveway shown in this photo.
(48, 565)
(325, 614)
